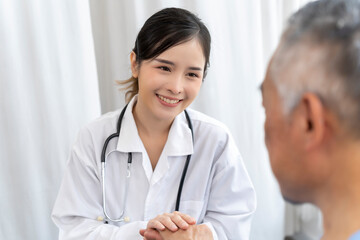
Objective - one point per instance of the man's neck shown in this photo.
(341, 221)
(340, 201)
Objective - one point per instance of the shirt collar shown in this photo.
(179, 140)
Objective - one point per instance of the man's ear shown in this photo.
(134, 65)
(314, 121)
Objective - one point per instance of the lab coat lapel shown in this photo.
(179, 143)
(130, 141)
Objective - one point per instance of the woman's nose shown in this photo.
(175, 84)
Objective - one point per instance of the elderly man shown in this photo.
(311, 96)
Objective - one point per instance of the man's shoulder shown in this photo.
(355, 236)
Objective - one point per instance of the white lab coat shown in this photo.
(217, 190)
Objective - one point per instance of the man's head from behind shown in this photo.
(311, 96)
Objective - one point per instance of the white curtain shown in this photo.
(48, 90)
(50, 82)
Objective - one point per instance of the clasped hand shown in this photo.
(170, 226)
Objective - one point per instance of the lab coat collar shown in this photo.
(179, 140)
(129, 139)
(179, 143)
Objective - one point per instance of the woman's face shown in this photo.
(170, 82)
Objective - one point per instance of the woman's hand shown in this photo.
(194, 232)
(171, 221)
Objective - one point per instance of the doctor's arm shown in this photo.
(230, 205)
(79, 201)
(228, 215)
(232, 199)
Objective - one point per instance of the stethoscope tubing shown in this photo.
(103, 166)
(183, 175)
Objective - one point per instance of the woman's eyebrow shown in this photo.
(164, 61)
(173, 64)
(195, 68)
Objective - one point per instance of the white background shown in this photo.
(58, 64)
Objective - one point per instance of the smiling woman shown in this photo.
(169, 79)
(162, 31)
(173, 172)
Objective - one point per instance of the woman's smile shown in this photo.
(168, 101)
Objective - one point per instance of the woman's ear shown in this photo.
(134, 65)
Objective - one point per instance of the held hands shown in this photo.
(194, 232)
(164, 226)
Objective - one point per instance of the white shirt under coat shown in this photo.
(217, 190)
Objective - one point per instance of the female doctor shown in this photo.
(164, 158)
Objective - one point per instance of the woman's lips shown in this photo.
(168, 101)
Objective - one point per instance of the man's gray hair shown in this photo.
(320, 53)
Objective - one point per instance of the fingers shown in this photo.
(172, 221)
(178, 220)
(142, 231)
(161, 222)
(190, 220)
(150, 234)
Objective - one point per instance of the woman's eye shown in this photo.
(164, 68)
(193, 75)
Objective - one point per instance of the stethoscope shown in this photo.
(121, 218)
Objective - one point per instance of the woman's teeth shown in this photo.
(168, 100)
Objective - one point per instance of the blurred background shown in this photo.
(59, 60)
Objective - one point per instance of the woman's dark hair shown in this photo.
(163, 30)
